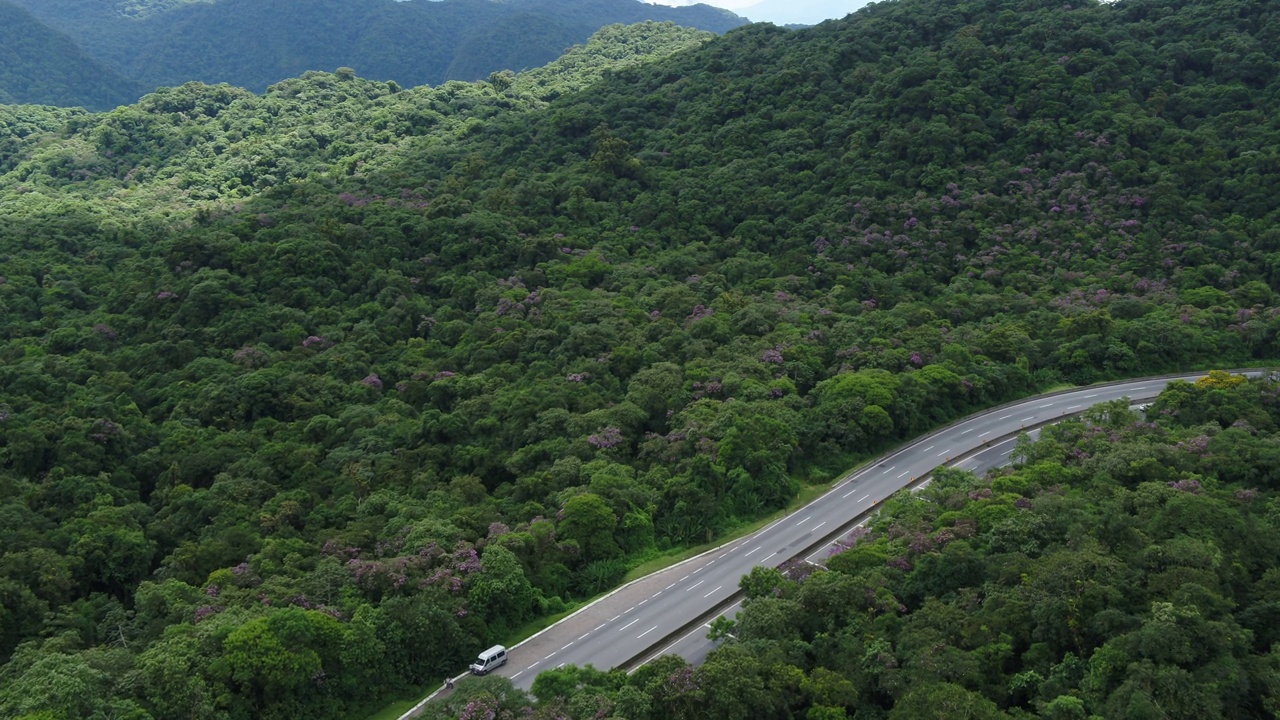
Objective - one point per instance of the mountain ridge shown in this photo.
(39, 65)
(311, 395)
(252, 43)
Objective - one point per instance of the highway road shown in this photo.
(667, 611)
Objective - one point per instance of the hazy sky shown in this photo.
(807, 12)
(727, 4)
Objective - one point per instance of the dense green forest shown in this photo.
(254, 43)
(42, 66)
(310, 395)
(1125, 567)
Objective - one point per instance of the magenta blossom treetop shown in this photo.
(606, 438)
(700, 312)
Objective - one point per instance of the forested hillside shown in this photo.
(42, 66)
(1123, 568)
(254, 43)
(310, 395)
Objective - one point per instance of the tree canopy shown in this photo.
(39, 65)
(1053, 588)
(314, 370)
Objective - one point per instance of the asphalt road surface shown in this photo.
(669, 610)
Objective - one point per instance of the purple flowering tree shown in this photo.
(700, 312)
(606, 438)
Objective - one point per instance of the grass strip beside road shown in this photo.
(397, 707)
(807, 494)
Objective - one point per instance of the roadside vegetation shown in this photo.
(1122, 567)
(309, 395)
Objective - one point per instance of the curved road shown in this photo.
(666, 611)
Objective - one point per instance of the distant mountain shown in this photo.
(39, 65)
(254, 43)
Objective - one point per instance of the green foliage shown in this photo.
(587, 521)
(352, 380)
(500, 592)
(40, 65)
(1111, 608)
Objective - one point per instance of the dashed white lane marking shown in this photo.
(615, 617)
(561, 665)
(686, 636)
(657, 593)
(513, 677)
(1033, 417)
(710, 563)
(695, 585)
(712, 592)
(642, 602)
(549, 656)
(803, 521)
(646, 632)
(889, 469)
(695, 572)
(904, 472)
(927, 449)
(1046, 405)
(633, 622)
(633, 607)
(848, 493)
(758, 547)
(566, 646)
(944, 452)
(966, 432)
(815, 527)
(766, 528)
(583, 635)
(533, 665)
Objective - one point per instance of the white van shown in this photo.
(494, 657)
